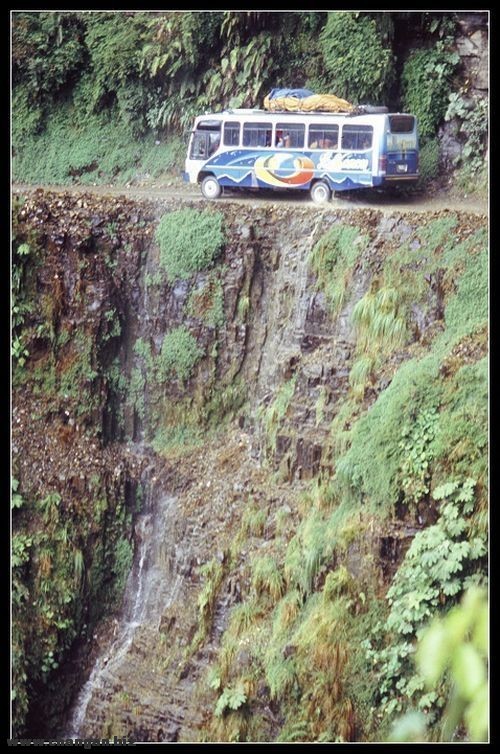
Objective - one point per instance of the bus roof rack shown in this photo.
(358, 110)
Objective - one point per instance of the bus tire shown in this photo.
(320, 192)
(210, 187)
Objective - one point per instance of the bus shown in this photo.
(314, 151)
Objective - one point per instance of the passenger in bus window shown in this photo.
(365, 141)
(279, 138)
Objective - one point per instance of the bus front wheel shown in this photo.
(320, 192)
(210, 187)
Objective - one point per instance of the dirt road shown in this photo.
(386, 201)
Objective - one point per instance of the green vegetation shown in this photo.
(333, 259)
(336, 655)
(179, 354)
(189, 241)
(426, 85)
(451, 657)
(212, 573)
(373, 465)
(358, 64)
(55, 572)
(105, 96)
(443, 560)
(97, 150)
(428, 164)
(470, 119)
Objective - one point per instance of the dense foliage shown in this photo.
(358, 65)
(426, 85)
(96, 94)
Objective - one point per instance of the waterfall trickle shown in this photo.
(151, 587)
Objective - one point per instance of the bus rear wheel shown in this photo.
(320, 192)
(210, 187)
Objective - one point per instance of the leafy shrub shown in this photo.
(442, 561)
(471, 116)
(358, 65)
(370, 470)
(48, 52)
(416, 443)
(96, 149)
(459, 642)
(179, 354)
(189, 241)
(429, 161)
(426, 84)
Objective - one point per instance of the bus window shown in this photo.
(257, 134)
(199, 146)
(213, 141)
(323, 137)
(290, 135)
(357, 137)
(231, 134)
(401, 124)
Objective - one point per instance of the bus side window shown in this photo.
(357, 137)
(323, 137)
(290, 135)
(257, 134)
(231, 134)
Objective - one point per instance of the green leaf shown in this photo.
(433, 653)
(476, 715)
(445, 490)
(469, 671)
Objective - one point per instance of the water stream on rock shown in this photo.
(153, 584)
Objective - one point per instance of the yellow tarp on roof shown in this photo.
(326, 102)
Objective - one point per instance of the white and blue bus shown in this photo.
(315, 151)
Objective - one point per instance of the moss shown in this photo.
(189, 241)
(179, 354)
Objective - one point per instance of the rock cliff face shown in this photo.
(248, 430)
(472, 45)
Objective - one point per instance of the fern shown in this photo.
(230, 699)
(280, 676)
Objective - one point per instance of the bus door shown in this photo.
(401, 148)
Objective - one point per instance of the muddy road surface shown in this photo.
(386, 200)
